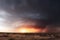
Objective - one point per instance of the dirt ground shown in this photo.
(29, 36)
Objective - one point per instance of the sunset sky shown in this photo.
(41, 14)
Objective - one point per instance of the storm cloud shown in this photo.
(43, 12)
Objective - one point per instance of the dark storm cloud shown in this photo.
(27, 7)
(47, 10)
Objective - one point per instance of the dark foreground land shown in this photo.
(29, 36)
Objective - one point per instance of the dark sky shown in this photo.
(44, 12)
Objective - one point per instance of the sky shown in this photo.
(42, 13)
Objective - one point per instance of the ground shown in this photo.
(29, 36)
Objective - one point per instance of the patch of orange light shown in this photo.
(28, 30)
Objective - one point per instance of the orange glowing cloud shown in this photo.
(29, 30)
(27, 27)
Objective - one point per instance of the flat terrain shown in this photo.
(29, 36)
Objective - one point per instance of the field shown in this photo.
(29, 36)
